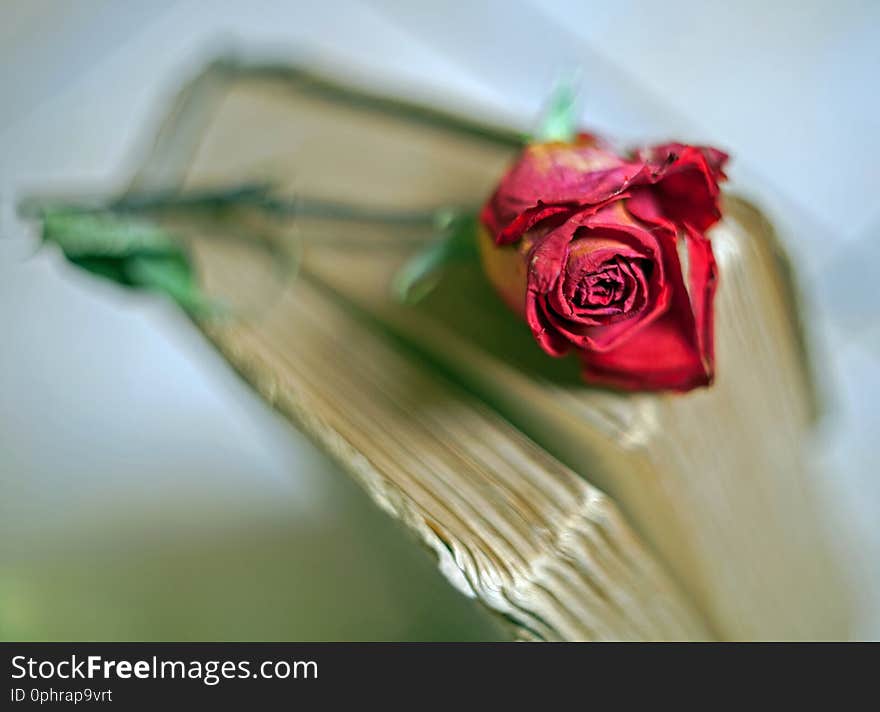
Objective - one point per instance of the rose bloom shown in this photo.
(587, 245)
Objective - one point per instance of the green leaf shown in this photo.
(81, 234)
(559, 122)
(173, 276)
(131, 252)
(111, 268)
(455, 240)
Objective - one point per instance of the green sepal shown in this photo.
(560, 118)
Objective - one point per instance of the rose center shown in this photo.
(600, 288)
(605, 281)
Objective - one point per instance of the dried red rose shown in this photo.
(584, 243)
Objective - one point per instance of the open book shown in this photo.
(574, 512)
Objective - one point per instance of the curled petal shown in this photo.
(702, 282)
(551, 178)
(528, 219)
(685, 180)
(546, 332)
(660, 357)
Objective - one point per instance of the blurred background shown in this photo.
(145, 493)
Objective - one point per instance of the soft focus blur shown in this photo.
(146, 493)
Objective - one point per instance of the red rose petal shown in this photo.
(674, 352)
